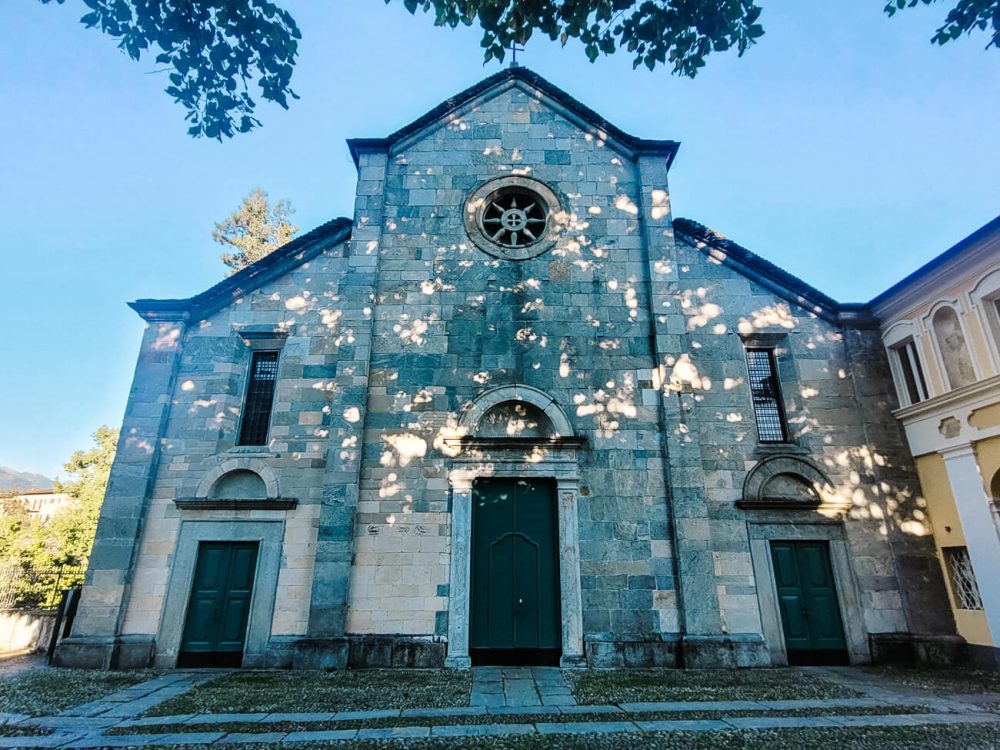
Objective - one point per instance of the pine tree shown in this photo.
(254, 230)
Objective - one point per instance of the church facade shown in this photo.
(511, 411)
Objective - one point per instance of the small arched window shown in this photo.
(953, 348)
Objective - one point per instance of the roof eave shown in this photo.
(296, 252)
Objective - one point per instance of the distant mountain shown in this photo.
(22, 480)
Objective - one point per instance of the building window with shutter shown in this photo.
(766, 393)
(914, 387)
(963, 579)
(259, 399)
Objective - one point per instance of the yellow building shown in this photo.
(941, 329)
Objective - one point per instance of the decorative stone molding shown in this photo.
(239, 463)
(479, 200)
(477, 409)
(786, 482)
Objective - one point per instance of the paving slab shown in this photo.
(303, 717)
(524, 710)
(226, 718)
(389, 713)
(587, 727)
(393, 733)
(329, 736)
(781, 722)
(590, 709)
(683, 725)
(444, 712)
(148, 721)
(482, 730)
(642, 708)
(237, 738)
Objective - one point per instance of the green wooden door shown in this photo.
(514, 603)
(216, 627)
(807, 598)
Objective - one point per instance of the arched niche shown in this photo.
(785, 482)
(515, 419)
(953, 347)
(995, 493)
(241, 484)
(499, 412)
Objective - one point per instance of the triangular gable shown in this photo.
(590, 120)
(281, 261)
(771, 277)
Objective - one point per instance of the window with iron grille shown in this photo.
(260, 396)
(963, 579)
(766, 394)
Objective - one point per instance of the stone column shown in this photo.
(973, 505)
(326, 646)
(458, 587)
(95, 641)
(703, 640)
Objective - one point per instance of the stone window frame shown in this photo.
(472, 210)
(848, 595)
(955, 303)
(788, 379)
(256, 339)
(270, 534)
(985, 300)
(961, 577)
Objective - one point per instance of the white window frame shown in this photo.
(984, 299)
(897, 337)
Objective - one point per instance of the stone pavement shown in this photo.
(520, 686)
(534, 693)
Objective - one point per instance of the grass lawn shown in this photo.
(941, 681)
(250, 691)
(41, 692)
(656, 685)
(862, 738)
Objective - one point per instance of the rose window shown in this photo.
(514, 218)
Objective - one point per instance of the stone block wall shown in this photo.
(452, 321)
(301, 313)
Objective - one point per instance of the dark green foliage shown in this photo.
(213, 50)
(967, 16)
(679, 32)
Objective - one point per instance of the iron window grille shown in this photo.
(963, 579)
(259, 399)
(766, 394)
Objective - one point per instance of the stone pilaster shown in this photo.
(95, 638)
(696, 594)
(326, 645)
(973, 505)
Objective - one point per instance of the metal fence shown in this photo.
(24, 587)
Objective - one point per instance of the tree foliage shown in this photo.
(214, 49)
(254, 230)
(67, 537)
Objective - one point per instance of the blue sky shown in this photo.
(844, 147)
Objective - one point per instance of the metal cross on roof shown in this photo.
(514, 49)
